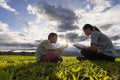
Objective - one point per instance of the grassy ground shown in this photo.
(15, 67)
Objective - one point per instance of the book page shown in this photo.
(80, 46)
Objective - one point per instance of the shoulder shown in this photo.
(95, 33)
(45, 41)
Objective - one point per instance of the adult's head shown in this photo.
(52, 37)
(88, 29)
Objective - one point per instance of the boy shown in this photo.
(46, 51)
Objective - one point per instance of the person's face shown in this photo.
(54, 39)
(87, 32)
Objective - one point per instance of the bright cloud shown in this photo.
(100, 5)
(3, 27)
(3, 4)
(11, 39)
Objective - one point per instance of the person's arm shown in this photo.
(93, 47)
(94, 40)
(60, 49)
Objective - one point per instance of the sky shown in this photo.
(25, 23)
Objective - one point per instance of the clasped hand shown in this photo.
(62, 47)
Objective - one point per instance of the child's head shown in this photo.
(52, 37)
(88, 28)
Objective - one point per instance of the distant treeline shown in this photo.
(16, 53)
(68, 53)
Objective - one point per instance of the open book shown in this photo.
(80, 46)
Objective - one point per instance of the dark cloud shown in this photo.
(67, 27)
(55, 12)
(61, 36)
(64, 16)
(1, 30)
(19, 45)
(115, 43)
(7, 41)
(73, 37)
(106, 26)
(38, 41)
(22, 35)
(117, 37)
(5, 38)
(26, 23)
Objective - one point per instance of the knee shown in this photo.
(83, 50)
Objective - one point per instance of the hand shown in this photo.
(64, 46)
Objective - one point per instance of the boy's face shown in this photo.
(53, 39)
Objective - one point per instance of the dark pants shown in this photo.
(91, 55)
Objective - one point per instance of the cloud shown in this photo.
(106, 19)
(67, 27)
(64, 17)
(97, 13)
(100, 5)
(3, 27)
(51, 12)
(4, 36)
(74, 37)
(117, 37)
(11, 39)
(37, 30)
(106, 26)
(3, 4)
(55, 12)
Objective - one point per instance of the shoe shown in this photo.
(60, 59)
(56, 60)
(81, 58)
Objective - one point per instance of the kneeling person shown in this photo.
(46, 51)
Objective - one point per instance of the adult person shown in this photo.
(101, 47)
(46, 52)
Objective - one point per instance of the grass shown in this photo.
(13, 67)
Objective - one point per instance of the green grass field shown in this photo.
(13, 67)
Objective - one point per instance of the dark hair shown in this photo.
(93, 28)
(51, 35)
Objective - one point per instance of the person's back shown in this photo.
(103, 43)
(43, 48)
(101, 47)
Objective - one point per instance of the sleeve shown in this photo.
(94, 37)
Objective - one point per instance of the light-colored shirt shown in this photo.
(43, 48)
(103, 43)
